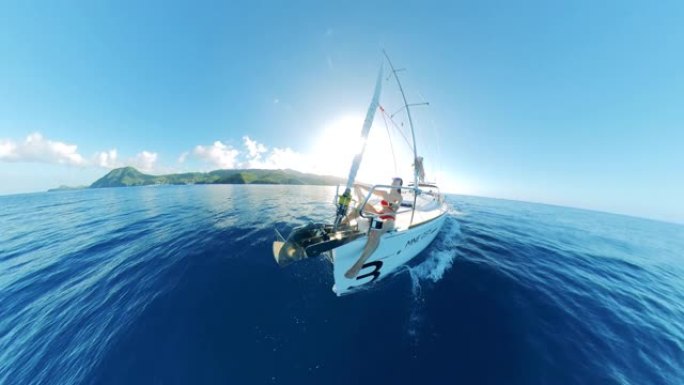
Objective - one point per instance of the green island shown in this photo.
(129, 176)
(67, 188)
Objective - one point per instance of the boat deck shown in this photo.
(427, 209)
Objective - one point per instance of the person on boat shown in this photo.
(420, 170)
(360, 191)
(382, 223)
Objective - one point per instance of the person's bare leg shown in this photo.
(371, 246)
(350, 217)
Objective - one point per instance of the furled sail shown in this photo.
(345, 198)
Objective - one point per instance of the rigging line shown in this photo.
(413, 136)
(408, 143)
(389, 137)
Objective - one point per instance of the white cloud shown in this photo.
(183, 157)
(218, 154)
(259, 156)
(106, 159)
(144, 161)
(280, 158)
(36, 148)
(254, 155)
(254, 148)
(7, 149)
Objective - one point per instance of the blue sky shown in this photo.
(574, 103)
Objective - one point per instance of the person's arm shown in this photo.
(359, 190)
(377, 192)
(395, 200)
(382, 194)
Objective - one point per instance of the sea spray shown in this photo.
(440, 257)
(440, 254)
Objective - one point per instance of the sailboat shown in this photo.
(359, 248)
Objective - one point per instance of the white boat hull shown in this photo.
(396, 248)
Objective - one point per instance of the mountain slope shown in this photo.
(129, 176)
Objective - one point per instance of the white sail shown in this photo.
(343, 202)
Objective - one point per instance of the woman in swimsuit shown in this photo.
(383, 223)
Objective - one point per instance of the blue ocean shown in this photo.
(177, 285)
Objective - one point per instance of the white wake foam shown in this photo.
(441, 254)
(441, 257)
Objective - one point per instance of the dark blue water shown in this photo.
(176, 285)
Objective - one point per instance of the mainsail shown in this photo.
(345, 198)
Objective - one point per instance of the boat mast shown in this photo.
(345, 198)
(413, 135)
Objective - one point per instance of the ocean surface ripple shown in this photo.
(177, 285)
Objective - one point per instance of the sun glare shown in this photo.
(337, 145)
(339, 141)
